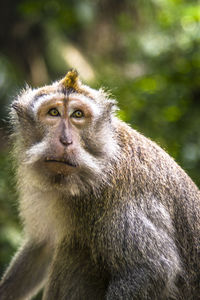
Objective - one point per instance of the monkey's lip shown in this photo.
(61, 161)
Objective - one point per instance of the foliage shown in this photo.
(146, 52)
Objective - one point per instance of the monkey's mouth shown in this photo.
(61, 161)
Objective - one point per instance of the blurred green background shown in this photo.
(147, 53)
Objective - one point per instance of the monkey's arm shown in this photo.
(25, 275)
(147, 264)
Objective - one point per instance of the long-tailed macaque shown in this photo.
(107, 213)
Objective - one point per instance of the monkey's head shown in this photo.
(64, 133)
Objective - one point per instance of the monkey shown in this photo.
(107, 214)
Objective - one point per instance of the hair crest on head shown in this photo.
(71, 81)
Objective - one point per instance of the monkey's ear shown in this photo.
(18, 108)
(23, 114)
(112, 105)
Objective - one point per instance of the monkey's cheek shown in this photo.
(60, 168)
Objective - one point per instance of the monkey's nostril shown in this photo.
(65, 140)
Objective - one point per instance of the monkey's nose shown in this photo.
(66, 141)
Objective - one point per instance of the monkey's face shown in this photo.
(70, 138)
(66, 138)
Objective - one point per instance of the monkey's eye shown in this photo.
(54, 112)
(77, 114)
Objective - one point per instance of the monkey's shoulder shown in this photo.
(148, 161)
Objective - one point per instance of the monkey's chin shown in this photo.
(60, 167)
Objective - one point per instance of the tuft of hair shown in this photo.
(71, 80)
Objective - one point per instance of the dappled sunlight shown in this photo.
(75, 59)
